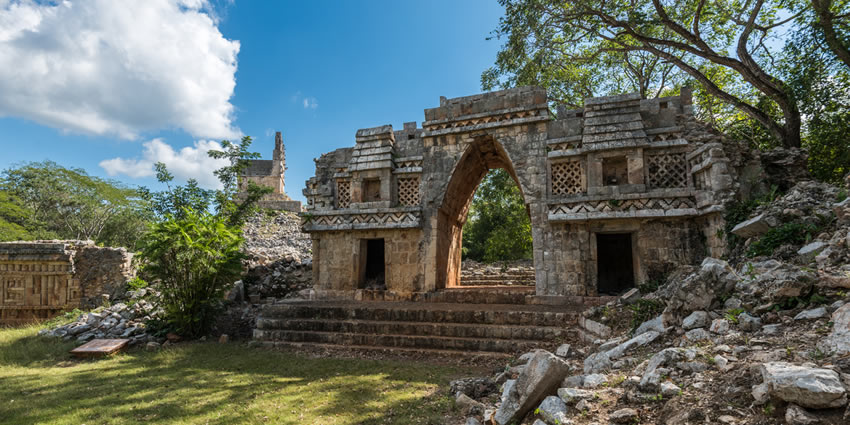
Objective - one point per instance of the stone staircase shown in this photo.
(439, 328)
(510, 277)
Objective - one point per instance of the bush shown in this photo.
(795, 233)
(194, 258)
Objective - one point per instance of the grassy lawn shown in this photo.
(211, 383)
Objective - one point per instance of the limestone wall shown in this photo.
(338, 259)
(41, 279)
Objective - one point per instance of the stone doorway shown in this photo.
(372, 264)
(615, 265)
(481, 156)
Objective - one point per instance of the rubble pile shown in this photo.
(287, 277)
(272, 235)
(762, 340)
(120, 320)
(280, 260)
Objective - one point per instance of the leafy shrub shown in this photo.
(194, 258)
(794, 233)
(137, 283)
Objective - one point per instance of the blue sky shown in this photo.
(316, 71)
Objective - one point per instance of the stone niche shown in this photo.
(41, 279)
(618, 193)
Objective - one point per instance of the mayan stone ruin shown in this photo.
(618, 192)
(270, 173)
(43, 278)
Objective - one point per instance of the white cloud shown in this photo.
(117, 67)
(191, 162)
(310, 103)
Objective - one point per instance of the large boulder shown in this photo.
(541, 377)
(771, 282)
(838, 340)
(698, 290)
(805, 386)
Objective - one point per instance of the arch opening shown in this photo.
(481, 156)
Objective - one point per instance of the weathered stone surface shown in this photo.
(542, 376)
(755, 226)
(563, 350)
(773, 282)
(812, 314)
(697, 319)
(761, 393)
(594, 380)
(574, 395)
(796, 415)
(806, 386)
(838, 340)
(669, 389)
(656, 324)
(811, 250)
(270, 173)
(719, 326)
(474, 387)
(40, 279)
(696, 335)
(699, 289)
(603, 360)
(553, 410)
(468, 406)
(624, 416)
(748, 323)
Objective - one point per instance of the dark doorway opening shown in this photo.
(615, 270)
(372, 266)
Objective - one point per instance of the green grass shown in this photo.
(211, 383)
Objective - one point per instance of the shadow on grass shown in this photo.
(212, 383)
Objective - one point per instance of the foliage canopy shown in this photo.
(498, 227)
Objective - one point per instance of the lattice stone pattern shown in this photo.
(343, 193)
(408, 191)
(667, 170)
(567, 178)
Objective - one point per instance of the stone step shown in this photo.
(403, 341)
(454, 330)
(466, 356)
(497, 276)
(493, 314)
(482, 294)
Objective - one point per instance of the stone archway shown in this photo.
(480, 156)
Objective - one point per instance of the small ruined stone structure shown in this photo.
(618, 193)
(41, 279)
(265, 172)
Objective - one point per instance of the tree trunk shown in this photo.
(825, 16)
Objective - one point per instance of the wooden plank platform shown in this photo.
(100, 347)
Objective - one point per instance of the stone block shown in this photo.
(753, 227)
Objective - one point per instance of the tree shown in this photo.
(192, 252)
(176, 199)
(833, 20)
(498, 228)
(240, 158)
(68, 203)
(696, 36)
(821, 81)
(14, 219)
